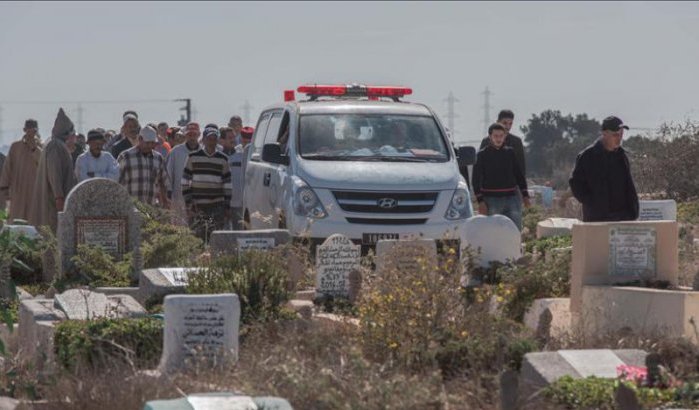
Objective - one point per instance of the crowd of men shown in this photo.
(198, 175)
(195, 173)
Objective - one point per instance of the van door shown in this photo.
(267, 181)
(254, 173)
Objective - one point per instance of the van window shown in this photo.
(259, 135)
(371, 137)
(270, 134)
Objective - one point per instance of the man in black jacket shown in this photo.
(601, 179)
(497, 178)
(506, 118)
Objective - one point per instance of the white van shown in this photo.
(358, 161)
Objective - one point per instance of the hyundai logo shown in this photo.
(387, 203)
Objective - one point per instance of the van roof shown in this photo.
(357, 106)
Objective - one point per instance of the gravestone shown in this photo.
(156, 283)
(610, 253)
(539, 369)
(546, 194)
(496, 237)
(98, 212)
(405, 255)
(38, 318)
(200, 327)
(27, 230)
(232, 242)
(336, 259)
(555, 227)
(660, 210)
(219, 401)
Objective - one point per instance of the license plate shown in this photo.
(372, 238)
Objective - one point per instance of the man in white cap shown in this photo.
(142, 170)
(96, 163)
(176, 161)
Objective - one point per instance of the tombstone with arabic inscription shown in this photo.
(200, 330)
(98, 212)
(156, 283)
(336, 259)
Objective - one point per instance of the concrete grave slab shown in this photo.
(555, 227)
(496, 236)
(641, 310)
(38, 318)
(232, 242)
(79, 304)
(594, 259)
(156, 283)
(405, 255)
(27, 230)
(539, 369)
(219, 401)
(200, 327)
(657, 210)
(560, 323)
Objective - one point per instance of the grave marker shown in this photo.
(98, 212)
(632, 251)
(200, 327)
(410, 255)
(336, 259)
(496, 236)
(661, 210)
(232, 242)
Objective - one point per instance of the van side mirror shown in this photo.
(465, 156)
(272, 153)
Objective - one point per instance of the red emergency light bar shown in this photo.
(315, 91)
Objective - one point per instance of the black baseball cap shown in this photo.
(613, 123)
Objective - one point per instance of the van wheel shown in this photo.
(282, 221)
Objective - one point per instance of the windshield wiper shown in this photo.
(383, 158)
(315, 157)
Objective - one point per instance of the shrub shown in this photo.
(418, 319)
(543, 245)
(598, 393)
(259, 278)
(96, 267)
(164, 244)
(99, 342)
(530, 218)
(523, 283)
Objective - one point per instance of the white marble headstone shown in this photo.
(496, 236)
(336, 258)
(200, 327)
(177, 276)
(661, 210)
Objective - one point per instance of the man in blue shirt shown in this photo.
(96, 163)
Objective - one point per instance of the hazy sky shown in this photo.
(635, 59)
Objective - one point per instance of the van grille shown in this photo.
(386, 202)
(372, 221)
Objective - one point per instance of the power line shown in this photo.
(88, 101)
(486, 107)
(450, 100)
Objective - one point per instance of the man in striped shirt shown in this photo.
(142, 170)
(206, 186)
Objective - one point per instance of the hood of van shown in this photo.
(389, 176)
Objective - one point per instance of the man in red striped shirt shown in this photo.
(497, 175)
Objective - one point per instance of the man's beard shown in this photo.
(96, 155)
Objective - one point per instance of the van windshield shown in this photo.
(371, 137)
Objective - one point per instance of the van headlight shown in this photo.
(306, 202)
(460, 206)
